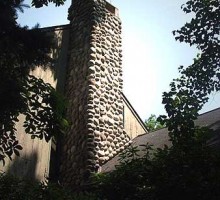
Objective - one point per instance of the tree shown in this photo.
(161, 174)
(41, 3)
(22, 189)
(153, 124)
(21, 49)
(190, 92)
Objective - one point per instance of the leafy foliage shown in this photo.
(41, 3)
(20, 189)
(190, 92)
(22, 49)
(153, 124)
(168, 173)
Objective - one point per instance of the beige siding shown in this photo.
(132, 122)
(34, 159)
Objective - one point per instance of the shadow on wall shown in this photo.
(24, 167)
(55, 72)
(59, 54)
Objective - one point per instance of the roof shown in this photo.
(160, 137)
(56, 28)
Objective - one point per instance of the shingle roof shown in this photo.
(160, 137)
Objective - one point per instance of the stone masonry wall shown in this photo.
(94, 86)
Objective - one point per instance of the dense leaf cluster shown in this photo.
(40, 3)
(153, 124)
(190, 92)
(21, 189)
(161, 174)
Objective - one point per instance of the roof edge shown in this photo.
(166, 127)
(57, 27)
(209, 111)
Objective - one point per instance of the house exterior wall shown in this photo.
(34, 159)
(88, 71)
(33, 162)
(133, 125)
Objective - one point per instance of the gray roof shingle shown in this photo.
(160, 137)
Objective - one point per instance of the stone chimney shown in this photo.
(93, 87)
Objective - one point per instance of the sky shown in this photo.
(151, 55)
